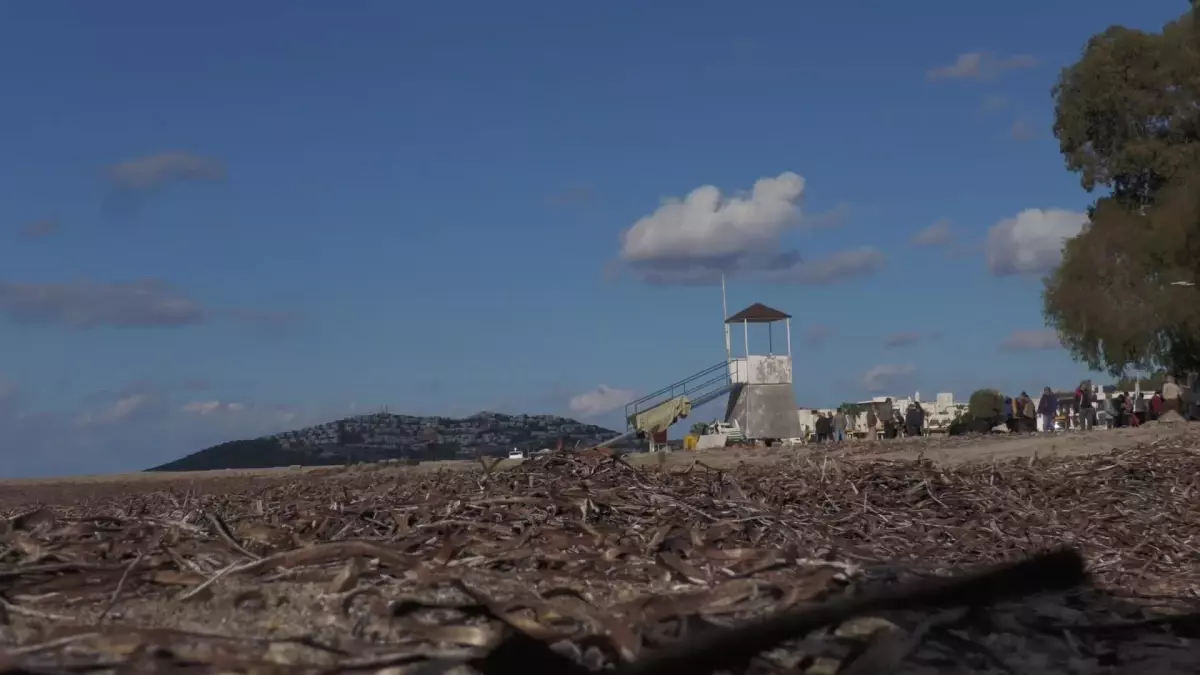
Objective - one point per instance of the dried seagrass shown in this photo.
(579, 563)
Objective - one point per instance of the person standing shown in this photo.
(887, 413)
(872, 423)
(823, 428)
(1139, 408)
(1172, 395)
(1047, 408)
(1103, 410)
(839, 426)
(912, 421)
(1028, 423)
(1083, 404)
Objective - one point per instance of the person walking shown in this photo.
(1047, 409)
(1083, 404)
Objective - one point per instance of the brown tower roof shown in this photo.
(758, 313)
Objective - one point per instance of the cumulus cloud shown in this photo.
(1032, 241)
(85, 304)
(886, 376)
(1030, 340)
(980, 66)
(937, 234)
(902, 339)
(600, 400)
(38, 229)
(705, 234)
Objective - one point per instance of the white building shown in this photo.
(939, 413)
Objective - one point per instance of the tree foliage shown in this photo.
(1153, 382)
(986, 404)
(1127, 119)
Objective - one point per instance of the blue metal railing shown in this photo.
(700, 388)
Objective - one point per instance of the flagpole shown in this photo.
(724, 318)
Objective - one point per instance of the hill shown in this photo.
(369, 438)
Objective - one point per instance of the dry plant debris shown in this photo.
(581, 563)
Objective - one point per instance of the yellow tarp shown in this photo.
(662, 415)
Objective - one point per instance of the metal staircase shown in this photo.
(700, 388)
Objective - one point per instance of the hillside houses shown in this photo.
(482, 432)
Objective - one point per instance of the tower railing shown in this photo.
(701, 387)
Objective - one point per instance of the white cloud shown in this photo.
(887, 375)
(119, 411)
(203, 408)
(600, 400)
(980, 66)
(1030, 340)
(153, 171)
(707, 225)
(697, 238)
(1032, 241)
(936, 234)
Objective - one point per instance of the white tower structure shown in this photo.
(762, 399)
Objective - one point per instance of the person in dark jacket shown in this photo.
(1026, 414)
(912, 420)
(1047, 409)
(824, 427)
(1083, 405)
(887, 414)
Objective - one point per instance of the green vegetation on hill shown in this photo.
(383, 436)
(258, 453)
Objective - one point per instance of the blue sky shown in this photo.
(226, 219)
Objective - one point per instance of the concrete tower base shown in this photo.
(764, 410)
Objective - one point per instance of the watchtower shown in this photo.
(761, 398)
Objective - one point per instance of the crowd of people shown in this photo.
(1091, 407)
(883, 420)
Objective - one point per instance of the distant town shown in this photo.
(484, 432)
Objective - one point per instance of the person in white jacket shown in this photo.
(1172, 395)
